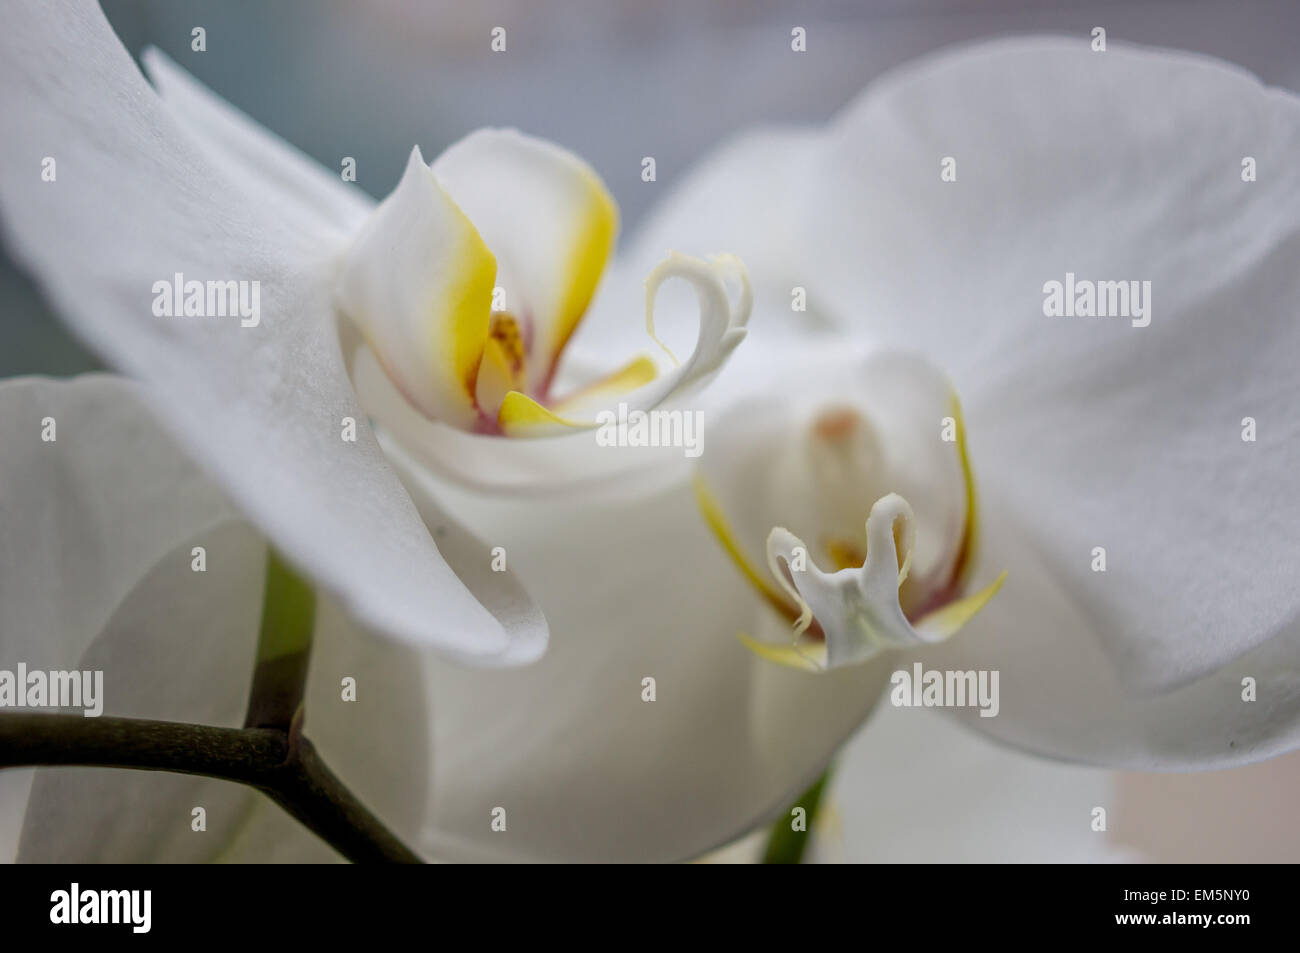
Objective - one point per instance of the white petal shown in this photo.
(1123, 165)
(584, 768)
(1061, 697)
(549, 220)
(759, 466)
(84, 516)
(417, 281)
(180, 647)
(262, 408)
(87, 513)
(266, 167)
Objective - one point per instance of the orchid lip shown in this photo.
(470, 325)
(870, 600)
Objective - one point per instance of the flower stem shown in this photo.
(283, 765)
(269, 753)
(785, 845)
(283, 647)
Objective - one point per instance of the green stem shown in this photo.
(283, 647)
(785, 845)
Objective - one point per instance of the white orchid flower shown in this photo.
(183, 184)
(179, 188)
(1135, 474)
(586, 768)
(582, 764)
(817, 459)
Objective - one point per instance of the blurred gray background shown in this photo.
(613, 80)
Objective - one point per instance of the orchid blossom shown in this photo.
(1148, 529)
(875, 465)
(499, 218)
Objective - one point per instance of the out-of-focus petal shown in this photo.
(583, 766)
(83, 517)
(181, 647)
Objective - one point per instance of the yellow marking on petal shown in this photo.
(464, 324)
(520, 414)
(945, 621)
(970, 534)
(634, 374)
(787, 655)
(717, 521)
(596, 229)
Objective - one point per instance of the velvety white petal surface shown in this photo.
(1062, 698)
(417, 281)
(266, 167)
(82, 518)
(262, 408)
(584, 768)
(1123, 165)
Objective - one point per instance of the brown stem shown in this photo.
(283, 765)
